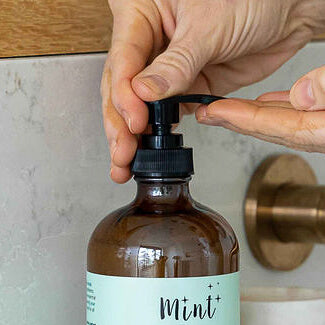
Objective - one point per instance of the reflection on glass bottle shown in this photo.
(151, 262)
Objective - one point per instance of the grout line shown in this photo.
(49, 55)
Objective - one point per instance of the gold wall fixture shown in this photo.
(284, 212)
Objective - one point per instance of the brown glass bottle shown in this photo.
(163, 256)
(163, 233)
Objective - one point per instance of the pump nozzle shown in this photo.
(162, 153)
(166, 111)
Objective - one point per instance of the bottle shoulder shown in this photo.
(194, 220)
(190, 241)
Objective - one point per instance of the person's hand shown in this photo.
(294, 118)
(166, 47)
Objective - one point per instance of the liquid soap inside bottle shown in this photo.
(164, 258)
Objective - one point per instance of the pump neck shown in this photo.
(164, 195)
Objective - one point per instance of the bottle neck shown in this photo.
(168, 194)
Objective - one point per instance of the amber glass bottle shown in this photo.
(164, 258)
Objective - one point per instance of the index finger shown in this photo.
(122, 143)
(132, 42)
(276, 122)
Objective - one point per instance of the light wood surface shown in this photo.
(42, 27)
(39, 27)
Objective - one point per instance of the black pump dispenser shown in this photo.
(161, 154)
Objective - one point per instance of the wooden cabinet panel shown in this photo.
(38, 27)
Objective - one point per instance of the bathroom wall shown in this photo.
(55, 186)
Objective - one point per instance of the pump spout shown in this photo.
(161, 153)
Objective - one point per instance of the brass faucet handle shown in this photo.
(284, 212)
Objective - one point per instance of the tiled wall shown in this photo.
(55, 187)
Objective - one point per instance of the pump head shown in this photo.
(161, 153)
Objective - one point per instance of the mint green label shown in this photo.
(209, 300)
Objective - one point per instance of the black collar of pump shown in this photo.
(161, 153)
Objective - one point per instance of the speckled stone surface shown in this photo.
(55, 188)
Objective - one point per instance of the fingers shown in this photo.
(122, 143)
(120, 175)
(308, 93)
(135, 34)
(270, 121)
(275, 96)
(173, 71)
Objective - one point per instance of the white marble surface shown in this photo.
(55, 188)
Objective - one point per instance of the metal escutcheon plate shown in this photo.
(273, 173)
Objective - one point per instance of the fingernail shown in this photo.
(202, 113)
(127, 119)
(155, 83)
(304, 93)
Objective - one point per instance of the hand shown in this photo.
(294, 118)
(166, 47)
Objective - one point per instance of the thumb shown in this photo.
(308, 93)
(172, 72)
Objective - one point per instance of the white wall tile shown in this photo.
(55, 187)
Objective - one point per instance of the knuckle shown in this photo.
(294, 135)
(123, 49)
(303, 134)
(182, 60)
